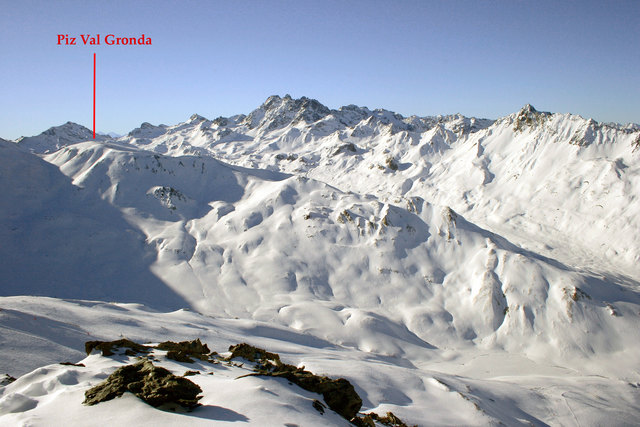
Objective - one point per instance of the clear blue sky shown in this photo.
(478, 58)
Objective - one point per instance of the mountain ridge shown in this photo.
(393, 157)
(286, 110)
(432, 261)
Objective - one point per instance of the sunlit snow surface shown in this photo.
(456, 271)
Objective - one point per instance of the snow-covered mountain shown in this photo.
(57, 137)
(457, 270)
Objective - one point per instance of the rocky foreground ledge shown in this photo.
(162, 389)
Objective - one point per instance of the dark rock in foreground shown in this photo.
(183, 351)
(338, 394)
(160, 388)
(369, 420)
(107, 347)
(155, 385)
(6, 379)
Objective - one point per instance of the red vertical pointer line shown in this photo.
(94, 96)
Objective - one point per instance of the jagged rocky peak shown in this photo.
(220, 121)
(350, 115)
(277, 112)
(528, 116)
(352, 107)
(303, 106)
(195, 118)
(273, 102)
(530, 110)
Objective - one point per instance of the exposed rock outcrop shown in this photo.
(155, 385)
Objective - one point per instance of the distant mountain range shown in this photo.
(409, 238)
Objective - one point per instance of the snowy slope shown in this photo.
(437, 262)
(64, 242)
(479, 389)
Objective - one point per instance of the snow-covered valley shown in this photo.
(457, 271)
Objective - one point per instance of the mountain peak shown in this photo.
(67, 127)
(147, 130)
(196, 118)
(57, 137)
(277, 112)
(275, 101)
(529, 109)
(528, 116)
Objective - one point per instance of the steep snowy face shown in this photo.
(57, 137)
(60, 241)
(554, 182)
(568, 128)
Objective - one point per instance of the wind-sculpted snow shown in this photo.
(442, 246)
(461, 389)
(381, 277)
